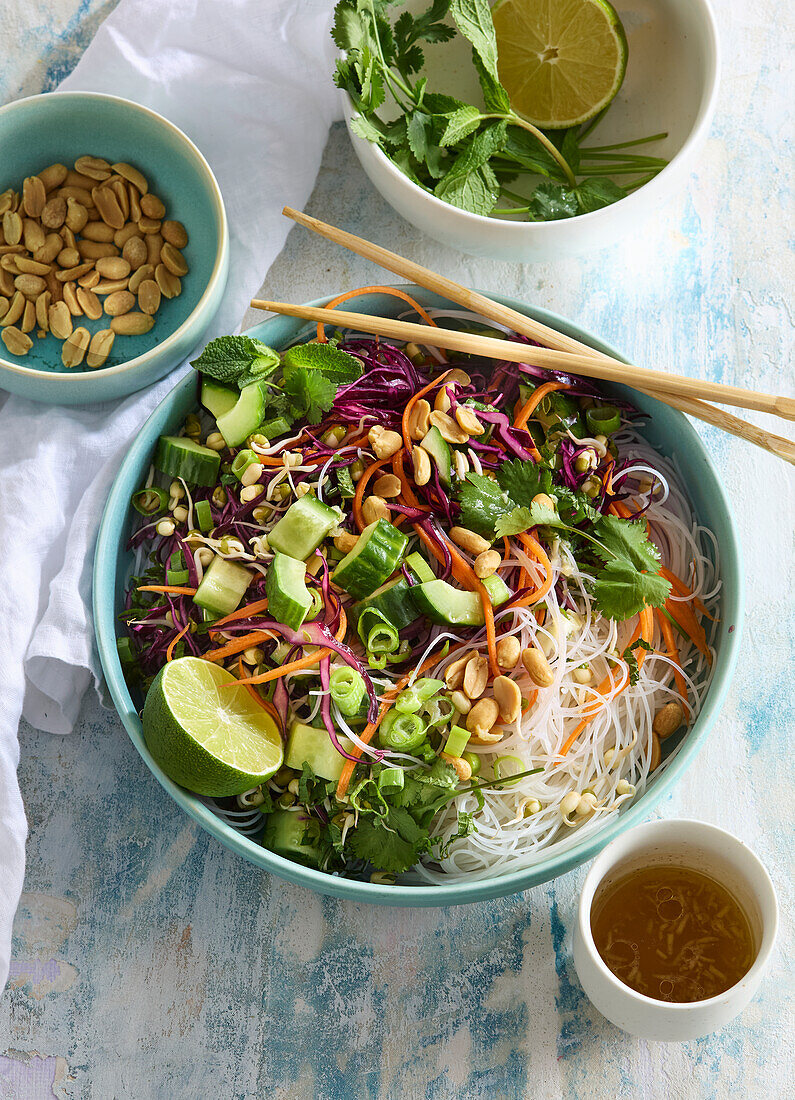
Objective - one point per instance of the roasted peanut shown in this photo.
(538, 667)
(481, 719)
(174, 233)
(419, 420)
(374, 508)
(75, 347)
(119, 302)
(454, 673)
(463, 769)
(468, 421)
(509, 698)
(387, 485)
(422, 465)
(487, 563)
(469, 540)
(508, 653)
(345, 542)
(668, 719)
(384, 443)
(132, 324)
(476, 676)
(449, 430)
(461, 702)
(149, 297)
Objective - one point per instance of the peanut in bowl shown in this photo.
(114, 247)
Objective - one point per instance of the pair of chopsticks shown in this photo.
(563, 353)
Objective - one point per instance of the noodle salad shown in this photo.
(399, 615)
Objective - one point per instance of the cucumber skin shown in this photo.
(286, 835)
(171, 458)
(245, 416)
(395, 602)
(290, 608)
(309, 513)
(372, 561)
(463, 608)
(218, 594)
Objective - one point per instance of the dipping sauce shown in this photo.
(672, 933)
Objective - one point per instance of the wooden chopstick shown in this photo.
(518, 322)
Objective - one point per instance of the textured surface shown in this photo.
(150, 963)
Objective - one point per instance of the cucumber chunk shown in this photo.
(442, 603)
(178, 456)
(312, 746)
(289, 600)
(303, 527)
(393, 600)
(222, 587)
(439, 450)
(291, 834)
(373, 560)
(245, 416)
(419, 567)
(216, 398)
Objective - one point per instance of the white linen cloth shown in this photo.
(250, 82)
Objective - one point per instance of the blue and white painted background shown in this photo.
(150, 963)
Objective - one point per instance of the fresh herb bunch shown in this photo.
(466, 154)
(301, 383)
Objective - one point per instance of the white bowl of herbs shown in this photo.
(527, 129)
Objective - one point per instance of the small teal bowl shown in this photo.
(667, 430)
(62, 126)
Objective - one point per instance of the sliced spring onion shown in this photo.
(391, 779)
(149, 501)
(125, 651)
(204, 515)
(242, 460)
(177, 576)
(411, 698)
(507, 766)
(457, 741)
(473, 759)
(402, 732)
(347, 689)
(603, 419)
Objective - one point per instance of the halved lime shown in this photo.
(207, 736)
(560, 61)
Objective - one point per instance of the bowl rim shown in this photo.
(655, 188)
(644, 836)
(104, 584)
(84, 378)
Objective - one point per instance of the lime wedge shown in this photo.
(560, 61)
(207, 736)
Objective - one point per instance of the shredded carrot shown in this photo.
(609, 478)
(241, 613)
(361, 485)
(303, 662)
(173, 589)
(535, 399)
(685, 618)
(173, 642)
(643, 630)
(682, 590)
(412, 401)
(386, 702)
(536, 551)
(246, 641)
(394, 291)
(506, 551)
(672, 653)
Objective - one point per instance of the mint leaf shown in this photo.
(228, 358)
(473, 19)
(632, 661)
(339, 366)
(460, 124)
(621, 591)
(483, 503)
(475, 193)
(524, 480)
(311, 394)
(626, 540)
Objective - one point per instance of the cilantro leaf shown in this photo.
(551, 201)
(339, 366)
(621, 591)
(312, 788)
(466, 826)
(524, 480)
(574, 507)
(626, 540)
(393, 844)
(482, 503)
(514, 523)
(311, 393)
(345, 482)
(229, 358)
(596, 192)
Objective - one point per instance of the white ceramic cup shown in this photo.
(704, 848)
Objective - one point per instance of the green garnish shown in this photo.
(469, 154)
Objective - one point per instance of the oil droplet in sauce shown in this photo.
(672, 933)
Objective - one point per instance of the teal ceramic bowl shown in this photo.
(667, 430)
(59, 128)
